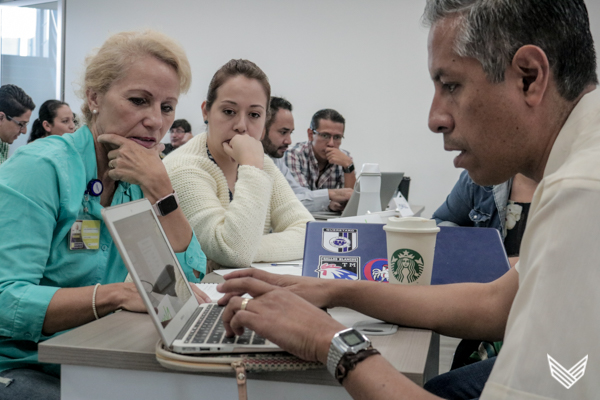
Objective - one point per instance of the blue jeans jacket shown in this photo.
(470, 204)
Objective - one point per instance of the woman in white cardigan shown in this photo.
(238, 203)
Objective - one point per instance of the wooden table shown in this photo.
(114, 358)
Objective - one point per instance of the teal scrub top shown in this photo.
(42, 193)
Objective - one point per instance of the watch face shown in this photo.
(167, 205)
(352, 338)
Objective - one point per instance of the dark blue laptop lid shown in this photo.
(341, 250)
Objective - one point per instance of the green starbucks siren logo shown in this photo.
(407, 265)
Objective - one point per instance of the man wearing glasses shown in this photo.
(276, 139)
(15, 110)
(319, 163)
(181, 132)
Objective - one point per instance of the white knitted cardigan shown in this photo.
(264, 222)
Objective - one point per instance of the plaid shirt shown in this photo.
(3, 151)
(303, 164)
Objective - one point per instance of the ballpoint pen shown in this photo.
(286, 264)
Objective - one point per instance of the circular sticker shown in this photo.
(406, 265)
(377, 270)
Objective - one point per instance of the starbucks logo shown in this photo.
(406, 265)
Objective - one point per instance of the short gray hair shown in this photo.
(491, 31)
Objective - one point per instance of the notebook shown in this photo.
(358, 251)
(183, 325)
(389, 185)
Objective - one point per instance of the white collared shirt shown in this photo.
(556, 311)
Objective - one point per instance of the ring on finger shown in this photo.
(244, 304)
(111, 164)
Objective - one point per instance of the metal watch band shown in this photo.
(333, 358)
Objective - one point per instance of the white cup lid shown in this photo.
(411, 225)
(370, 169)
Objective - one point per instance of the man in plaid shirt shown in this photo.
(320, 163)
(15, 111)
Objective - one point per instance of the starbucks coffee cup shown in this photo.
(410, 249)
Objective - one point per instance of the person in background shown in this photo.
(50, 188)
(515, 91)
(276, 139)
(15, 111)
(181, 132)
(504, 207)
(55, 118)
(320, 163)
(240, 206)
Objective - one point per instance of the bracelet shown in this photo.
(94, 301)
(349, 361)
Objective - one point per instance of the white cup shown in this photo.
(410, 249)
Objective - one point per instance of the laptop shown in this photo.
(389, 185)
(184, 325)
(358, 251)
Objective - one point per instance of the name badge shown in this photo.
(85, 235)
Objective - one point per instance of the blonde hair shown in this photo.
(112, 60)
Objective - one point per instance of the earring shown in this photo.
(206, 121)
(94, 111)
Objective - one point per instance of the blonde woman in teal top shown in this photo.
(131, 86)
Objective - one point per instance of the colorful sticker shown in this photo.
(335, 267)
(377, 270)
(340, 240)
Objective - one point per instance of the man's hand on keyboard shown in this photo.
(314, 290)
(279, 316)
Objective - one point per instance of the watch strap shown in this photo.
(349, 361)
(348, 169)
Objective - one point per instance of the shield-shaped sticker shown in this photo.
(340, 240)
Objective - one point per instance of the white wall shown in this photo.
(367, 60)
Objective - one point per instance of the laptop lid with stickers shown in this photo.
(358, 251)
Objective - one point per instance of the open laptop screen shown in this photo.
(153, 261)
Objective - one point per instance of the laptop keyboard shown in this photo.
(209, 329)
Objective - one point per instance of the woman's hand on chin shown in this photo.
(245, 150)
(130, 162)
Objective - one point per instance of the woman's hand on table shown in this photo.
(245, 150)
(129, 296)
(73, 307)
(280, 316)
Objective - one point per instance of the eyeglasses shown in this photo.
(327, 136)
(22, 125)
(178, 131)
